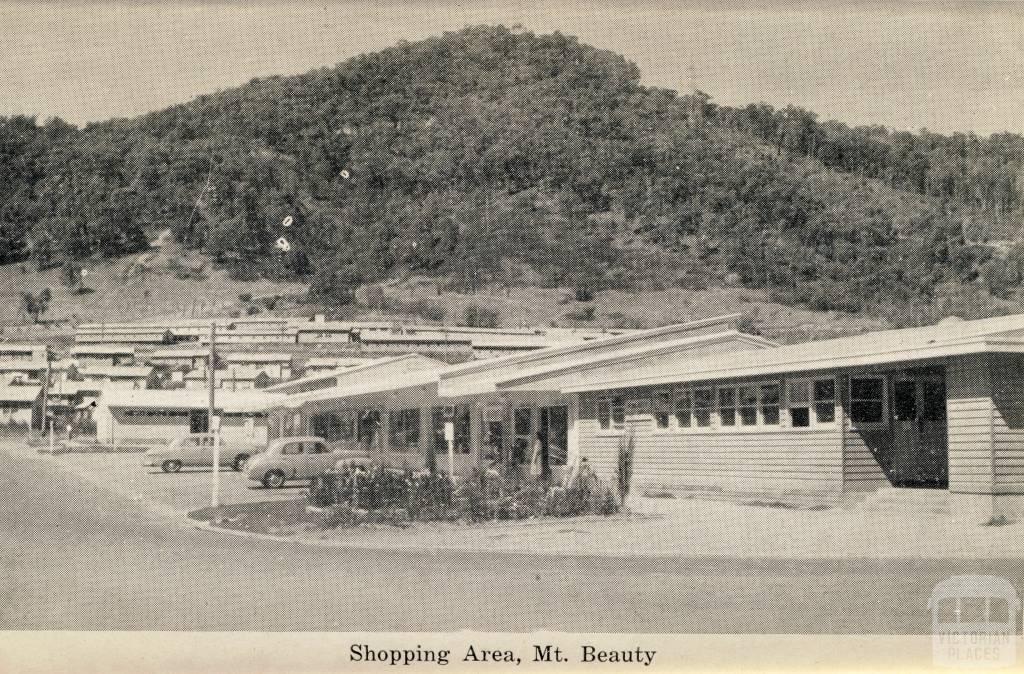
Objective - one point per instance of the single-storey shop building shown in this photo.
(154, 417)
(708, 410)
(938, 407)
(397, 408)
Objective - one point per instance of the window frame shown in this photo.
(884, 422)
(811, 403)
(663, 404)
(738, 406)
(613, 402)
(407, 430)
(712, 393)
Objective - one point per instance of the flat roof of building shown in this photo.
(180, 353)
(6, 347)
(337, 362)
(134, 371)
(189, 399)
(948, 338)
(256, 357)
(19, 394)
(102, 349)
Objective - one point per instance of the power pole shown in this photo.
(46, 395)
(212, 425)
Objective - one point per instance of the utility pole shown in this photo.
(46, 395)
(212, 425)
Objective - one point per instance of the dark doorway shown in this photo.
(920, 445)
(199, 421)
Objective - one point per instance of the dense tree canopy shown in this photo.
(462, 154)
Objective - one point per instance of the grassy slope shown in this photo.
(134, 288)
(146, 287)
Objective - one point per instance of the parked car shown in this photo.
(196, 449)
(297, 458)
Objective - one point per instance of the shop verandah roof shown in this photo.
(1004, 334)
(488, 376)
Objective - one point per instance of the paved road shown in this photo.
(75, 556)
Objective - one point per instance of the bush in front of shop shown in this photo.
(353, 495)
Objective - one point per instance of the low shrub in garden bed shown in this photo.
(353, 496)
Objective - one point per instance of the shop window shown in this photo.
(727, 406)
(662, 403)
(747, 397)
(404, 430)
(867, 400)
(611, 412)
(768, 404)
(703, 407)
(683, 400)
(459, 415)
(811, 402)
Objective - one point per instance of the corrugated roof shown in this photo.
(522, 341)
(875, 348)
(337, 363)
(552, 376)
(325, 326)
(418, 338)
(483, 375)
(358, 388)
(413, 359)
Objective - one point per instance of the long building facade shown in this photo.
(708, 410)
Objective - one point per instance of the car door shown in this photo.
(192, 451)
(319, 458)
(293, 459)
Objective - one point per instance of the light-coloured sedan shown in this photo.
(296, 458)
(196, 450)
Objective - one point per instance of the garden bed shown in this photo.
(353, 498)
(292, 518)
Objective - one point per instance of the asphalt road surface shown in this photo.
(74, 556)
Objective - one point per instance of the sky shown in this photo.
(906, 65)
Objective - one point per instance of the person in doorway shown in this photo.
(537, 459)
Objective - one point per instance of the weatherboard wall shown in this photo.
(1007, 373)
(754, 459)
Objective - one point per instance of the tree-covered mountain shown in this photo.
(483, 153)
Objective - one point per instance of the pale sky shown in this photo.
(902, 64)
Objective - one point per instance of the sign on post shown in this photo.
(449, 436)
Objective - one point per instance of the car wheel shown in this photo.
(171, 466)
(239, 462)
(274, 479)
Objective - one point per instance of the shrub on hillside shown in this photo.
(582, 314)
(476, 316)
(424, 309)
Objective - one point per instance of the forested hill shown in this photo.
(498, 156)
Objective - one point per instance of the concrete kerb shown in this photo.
(347, 545)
